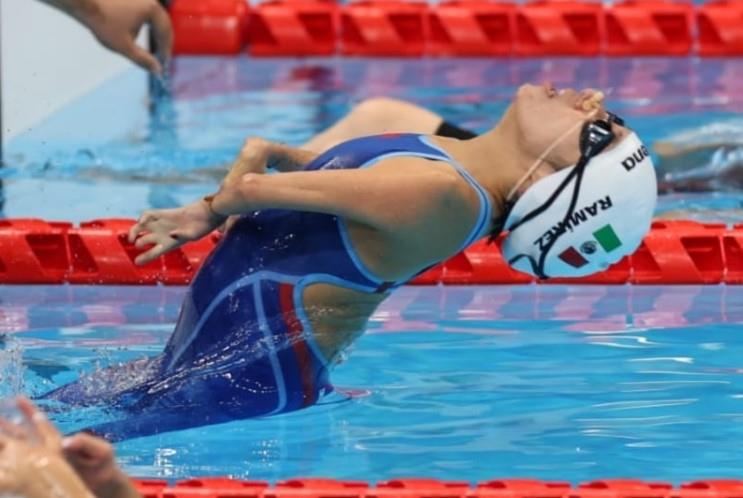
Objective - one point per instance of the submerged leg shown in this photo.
(108, 386)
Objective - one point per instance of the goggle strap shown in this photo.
(541, 157)
(580, 168)
(546, 204)
(538, 267)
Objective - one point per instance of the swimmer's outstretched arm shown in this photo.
(116, 23)
(391, 197)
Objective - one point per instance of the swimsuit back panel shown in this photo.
(290, 245)
(251, 286)
(243, 345)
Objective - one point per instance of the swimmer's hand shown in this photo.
(166, 229)
(31, 460)
(591, 100)
(116, 23)
(94, 461)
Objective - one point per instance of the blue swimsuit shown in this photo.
(243, 346)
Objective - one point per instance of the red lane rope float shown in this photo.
(433, 488)
(649, 27)
(97, 252)
(384, 27)
(209, 26)
(458, 27)
(720, 25)
(281, 27)
(559, 28)
(472, 27)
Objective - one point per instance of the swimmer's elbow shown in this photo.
(240, 196)
(248, 185)
(258, 191)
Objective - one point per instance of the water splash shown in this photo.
(11, 367)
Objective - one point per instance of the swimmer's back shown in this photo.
(344, 268)
(427, 233)
(285, 290)
(429, 227)
(432, 214)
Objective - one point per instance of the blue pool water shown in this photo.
(109, 156)
(470, 383)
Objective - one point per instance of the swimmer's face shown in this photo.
(543, 114)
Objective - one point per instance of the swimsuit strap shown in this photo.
(486, 206)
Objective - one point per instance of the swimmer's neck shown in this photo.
(496, 159)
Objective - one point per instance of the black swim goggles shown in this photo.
(595, 136)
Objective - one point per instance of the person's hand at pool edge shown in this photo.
(36, 461)
(116, 23)
(94, 461)
(31, 463)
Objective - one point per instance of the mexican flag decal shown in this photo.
(605, 236)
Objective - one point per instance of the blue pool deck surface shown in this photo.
(467, 383)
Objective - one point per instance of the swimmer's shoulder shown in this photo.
(426, 216)
(436, 178)
(433, 198)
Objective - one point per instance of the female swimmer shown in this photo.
(316, 247)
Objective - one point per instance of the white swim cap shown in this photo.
(611, 214)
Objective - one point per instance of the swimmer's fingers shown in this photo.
(135, 231)
(189, 233)
(9, 430)
(162, 30)
(160, 243)
(590, 99)
(146, 240)
(140, 226)
(39, 422)
(142, 58)
(86, 448)
(148, 256)
(156, 251)
(92, 458)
